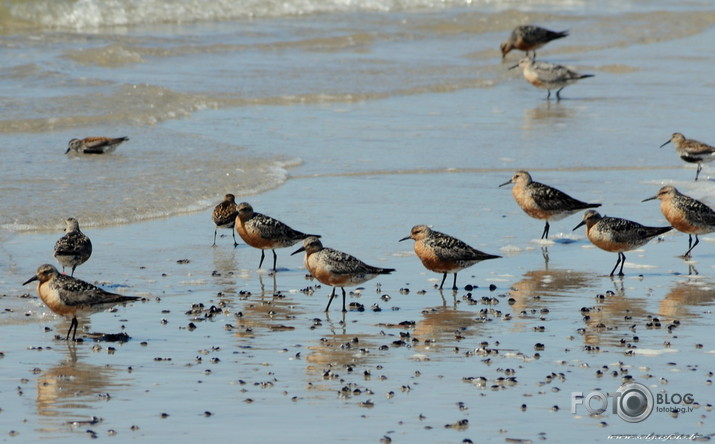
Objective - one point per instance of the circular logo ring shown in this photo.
(635, 403)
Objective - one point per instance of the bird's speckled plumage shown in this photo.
(692, 151)
(95, 145)
(542, 201)
(442, 253)
(549, 75)
(224, 216)
(264, 232)
(530, 38)
(74, 248)
(66, 295)
(335, 268)
(617, 235)
(685, 214)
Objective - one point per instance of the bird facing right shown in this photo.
(442, 253)
(530, 38)
(548, 76)
(692, 151)
(74, 248)
(542, 201)
(617, 235)
(66, 295)
(685, 214)
(333, 267)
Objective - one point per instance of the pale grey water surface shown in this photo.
(356, 122)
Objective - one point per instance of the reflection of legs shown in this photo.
(545, 254)
(692, 270)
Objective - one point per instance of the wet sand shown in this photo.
(261, 354)
(261, 360)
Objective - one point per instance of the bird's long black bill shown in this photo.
(33, 278)
(298, 251)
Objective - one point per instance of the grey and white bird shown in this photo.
(548, 76)
(74, 248)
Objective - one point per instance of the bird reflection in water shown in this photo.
(70, 390)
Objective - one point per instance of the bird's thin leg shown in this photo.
(558, 94)
(454, 284)
(215, 230)
(545, 234)
(73, 324)
(443, 278)
(697, 172)
(275, 258)
(332, 295)
(687, 253)
(72, 273)
(343, 288)
(233, 232)
(263, 256)
(618, 261)
(548, 96)
(623, 262)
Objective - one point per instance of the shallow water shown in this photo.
(357, 126)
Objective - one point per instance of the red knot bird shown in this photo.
(542, 201)
(617, 235)
(95, 145)
(74, 248)
(333, 267)
(264, 232)
(685, 214)
(692, 151)
(530, 38)
(442, 253)
(224, 216)
(66, 295)
(548, 76)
